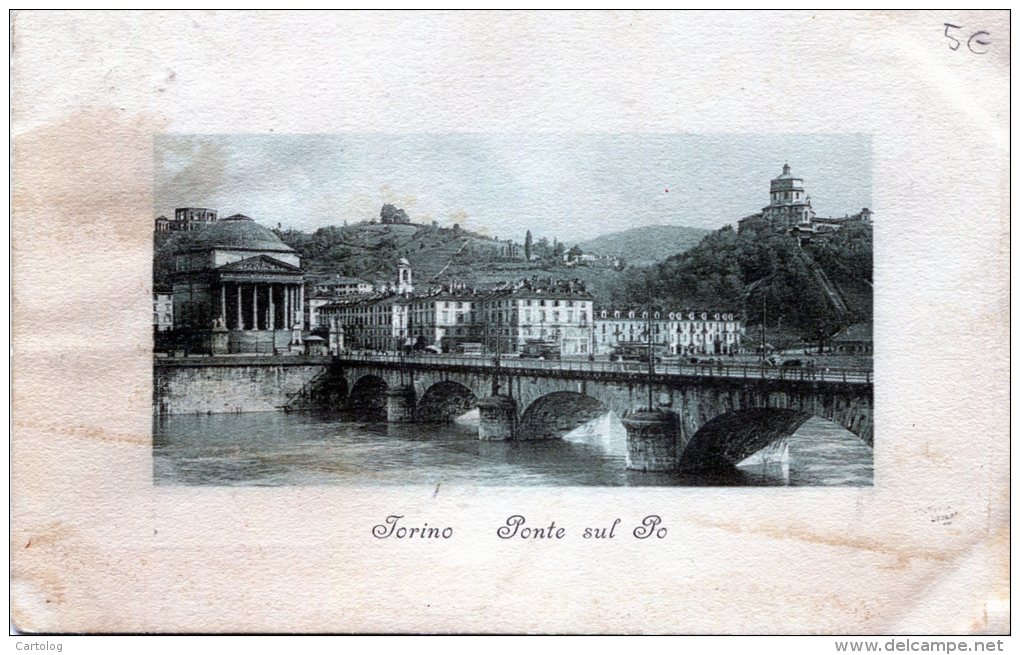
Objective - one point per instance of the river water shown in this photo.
(279, 449)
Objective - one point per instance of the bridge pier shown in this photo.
(400, 404)
(497, 418)
(651, 441)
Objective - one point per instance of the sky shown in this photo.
(571, 187)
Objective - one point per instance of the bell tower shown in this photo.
(404, 284)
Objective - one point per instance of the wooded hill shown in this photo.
(822, 285)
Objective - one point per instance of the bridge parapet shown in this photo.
(578, 369)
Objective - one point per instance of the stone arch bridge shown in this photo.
(701, 417)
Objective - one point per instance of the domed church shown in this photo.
(237, 288)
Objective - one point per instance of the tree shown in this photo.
(527, 246)
(558, 249)
(574, 253)
(390, 214)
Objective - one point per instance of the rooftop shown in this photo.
(238, 232)
(786, 175)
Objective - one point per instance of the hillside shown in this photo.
(643, 246)
(438, 255)
(818, 287)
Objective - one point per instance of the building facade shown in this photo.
(377, 321)
(679, 332)
(557, 312)
(448, 318)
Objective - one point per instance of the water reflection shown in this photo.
(273, 449)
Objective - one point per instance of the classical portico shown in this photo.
(239, 289)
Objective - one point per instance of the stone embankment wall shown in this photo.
(207, 387)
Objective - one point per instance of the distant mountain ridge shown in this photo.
(646, 245)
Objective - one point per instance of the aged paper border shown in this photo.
(96, 548)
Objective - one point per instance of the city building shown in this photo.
(679, 332)
(454, 317)
(376, 321)
(558, 312)
(186, 219)
(324, 291)
(853, 340)
(445, 318)
(340, 285)
(592, 260)
(163, 310)
(238, 288)
(373, 320)
(790, 210)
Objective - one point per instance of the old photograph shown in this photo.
(511, 322)
(512, 310)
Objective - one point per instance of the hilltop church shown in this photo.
(789, 210)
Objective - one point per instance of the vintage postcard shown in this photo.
(519, 322)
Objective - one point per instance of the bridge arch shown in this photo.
(333, 392)
(368, 395)
(554, 414)
(729, 438)
(444, 401)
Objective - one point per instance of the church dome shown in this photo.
(238, 232)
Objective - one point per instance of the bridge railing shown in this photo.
(716, 370)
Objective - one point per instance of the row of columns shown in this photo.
(293, 300)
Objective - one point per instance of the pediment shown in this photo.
(259, 264)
